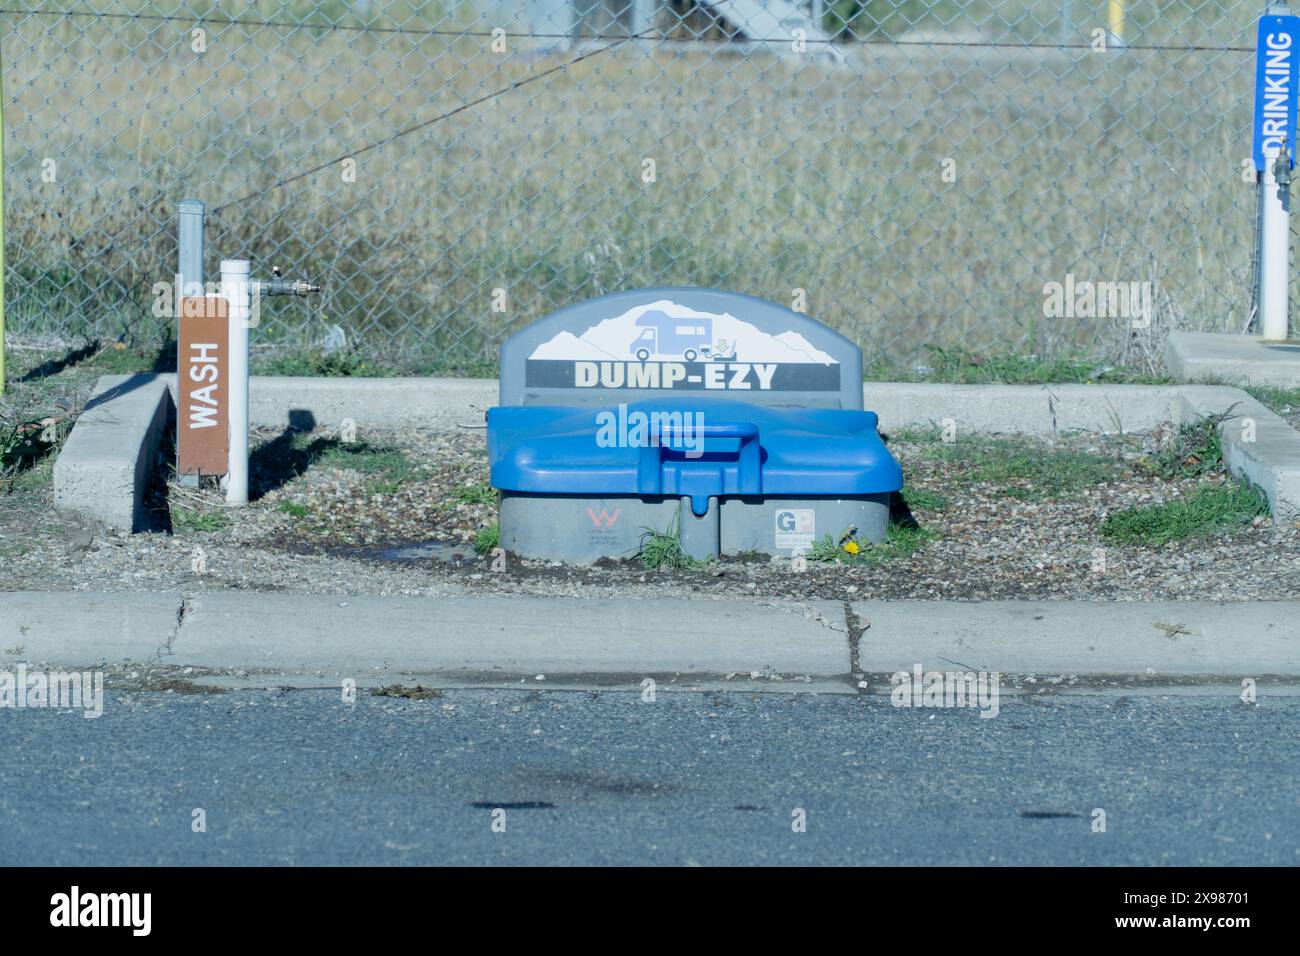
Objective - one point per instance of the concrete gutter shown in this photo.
(494, 639)
(102, 471)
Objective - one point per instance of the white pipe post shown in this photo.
(1275, 244)
(236, 289)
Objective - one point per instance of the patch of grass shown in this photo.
(1195, 451)
(342, 363)
(388, 468)
(1213, 509)
(26, 454)
(35, 478)
(915, 436)
(21, 444)
(488, 539)
(1279, 400)
(480, 493)
(119, 359)
(194, 519)
(825, 549)
(663, 549)
(962, 366)
(900, 541)
(924, 499)
(1023, 469)
(293, 509)
(465, 368)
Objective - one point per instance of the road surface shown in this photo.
(1190, 776)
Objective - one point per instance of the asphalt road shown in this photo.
(300, 777)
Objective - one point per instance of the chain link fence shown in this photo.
(913, 172)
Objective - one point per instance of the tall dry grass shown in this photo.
(773, 174)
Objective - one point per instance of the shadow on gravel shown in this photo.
(900, 514)
(54, 366)
(277, 462)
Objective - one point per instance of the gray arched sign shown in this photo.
(681, 342)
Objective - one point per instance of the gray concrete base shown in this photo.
(1232, 359)
(494, 639)
(104, 466)
(582, 530)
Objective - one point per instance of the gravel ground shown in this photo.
(335, 517)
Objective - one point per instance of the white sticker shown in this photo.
(796, 528)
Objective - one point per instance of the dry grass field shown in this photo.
(772, 173)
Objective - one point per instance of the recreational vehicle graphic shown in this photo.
(666, 336)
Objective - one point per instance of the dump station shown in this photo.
(731, 422)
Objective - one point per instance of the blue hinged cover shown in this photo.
(689, 447)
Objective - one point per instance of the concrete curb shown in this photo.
(103, 469)
(1270, 460)
(369, 638)
(1236, 359)
(86, 628)
(361, 636)
(1161, 638)
(511, 635)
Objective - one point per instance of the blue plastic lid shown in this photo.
(699, 448)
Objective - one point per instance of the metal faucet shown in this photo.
(278, 285)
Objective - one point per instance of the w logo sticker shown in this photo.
(604, 519)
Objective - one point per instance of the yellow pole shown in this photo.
(1116, 20)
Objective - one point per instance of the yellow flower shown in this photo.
(852, 547)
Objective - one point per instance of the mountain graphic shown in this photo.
(614, 339)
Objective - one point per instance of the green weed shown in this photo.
(1210, 510)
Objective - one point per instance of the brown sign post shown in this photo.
(203, 387)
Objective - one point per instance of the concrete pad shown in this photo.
(1232, 359)
(440, 404)
(1022, 409)
(359, 636)
(1161, 638)
(444, 404)
(103, 469)
(1258, 444)
(458, 403)
(85, 628)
